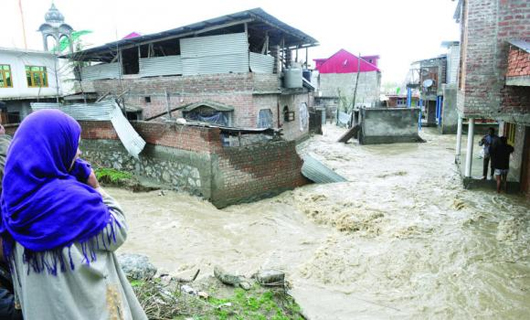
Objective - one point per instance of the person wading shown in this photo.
(60, 228)
(500, 157)
(487, 143)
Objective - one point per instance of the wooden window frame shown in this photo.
(42, 75)
(3, 75)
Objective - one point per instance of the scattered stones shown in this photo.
(189, 290)
(137, 266)
(270, 278)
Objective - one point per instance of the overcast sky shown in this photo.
(400, 31)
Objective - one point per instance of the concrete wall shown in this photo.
(517, 158)
(449, 113)
(18, 60)
(453, 60)
(294, 129)
(368, 90)
(389, 125)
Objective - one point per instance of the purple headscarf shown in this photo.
(44, 207)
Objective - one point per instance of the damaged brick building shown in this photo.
(494, 78)
(226, 71)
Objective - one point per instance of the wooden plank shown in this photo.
(350, 134)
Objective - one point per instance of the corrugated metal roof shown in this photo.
(161, 66)
(130, 139)
(97, 111)
(521, 44)
(261, 63)
(215, 54)
(101, 71)
(292, 35)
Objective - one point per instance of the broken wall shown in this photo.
(389, 125)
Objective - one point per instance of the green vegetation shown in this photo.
(112, 176)
(159, 302)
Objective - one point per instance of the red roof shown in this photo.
(132, 35)
(344, 62)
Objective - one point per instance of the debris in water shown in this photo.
(317, 172)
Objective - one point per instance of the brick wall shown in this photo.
(490, 24)
(518, 63)
(188, 138)
(224, 176)
(258, 171)
(235, 90)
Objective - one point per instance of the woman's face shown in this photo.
(77, 155)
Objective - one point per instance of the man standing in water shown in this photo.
(487, 142)
(500, 158)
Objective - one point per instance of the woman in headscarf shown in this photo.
(60, 228)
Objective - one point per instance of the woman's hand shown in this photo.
(92, 180)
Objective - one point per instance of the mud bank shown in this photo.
(401, 239)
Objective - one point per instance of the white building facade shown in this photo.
(26, 76)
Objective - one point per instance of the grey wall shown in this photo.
(453, 61)
(389, 125)
(517, 158)
(368, 90)
(449, 113)
(183, 170)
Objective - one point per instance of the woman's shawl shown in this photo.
(44, 207)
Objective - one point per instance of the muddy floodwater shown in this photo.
(402, 239)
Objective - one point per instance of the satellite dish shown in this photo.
(428, 83)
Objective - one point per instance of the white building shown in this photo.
(26, 76)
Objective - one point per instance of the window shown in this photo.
(147, 99)
(265, 118)
(36, 76)
(5, 76)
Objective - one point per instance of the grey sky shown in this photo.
(401, 31)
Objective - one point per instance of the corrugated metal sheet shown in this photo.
(521, 44)
(160, 66)
(102, 111)
(101, 71)
(215, 54)
(97, 111)
(130, 139)
(317, 172)
(261, 63)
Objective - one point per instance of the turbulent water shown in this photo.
(402, 239)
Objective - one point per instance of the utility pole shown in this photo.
(355, 90)
(23, 24)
